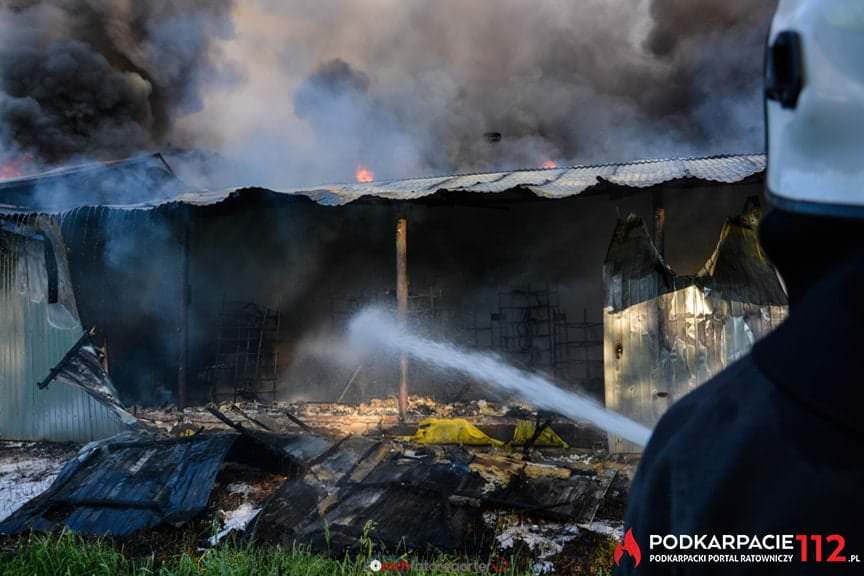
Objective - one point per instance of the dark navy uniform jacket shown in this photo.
(772, 445)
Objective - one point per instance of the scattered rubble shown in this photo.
(542, 540)
(378, 416)
(250, 471)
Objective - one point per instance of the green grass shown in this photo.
(67, 555)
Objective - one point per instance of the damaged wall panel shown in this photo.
(38, 324)
(664, 334)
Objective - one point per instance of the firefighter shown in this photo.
(774, 445)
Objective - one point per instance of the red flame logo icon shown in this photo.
(630, 546)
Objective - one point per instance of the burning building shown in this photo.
(239, 294)
(197, 333)
(128, 287)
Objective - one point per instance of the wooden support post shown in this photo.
(659, 208)
(402, 306)
(183, 312)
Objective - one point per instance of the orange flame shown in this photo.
(15, 167)
(549, 164)
(364, 174)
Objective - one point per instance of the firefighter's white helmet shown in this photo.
(815, 107)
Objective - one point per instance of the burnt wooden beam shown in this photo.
(296, 420)
(250, 418)
(402, 306)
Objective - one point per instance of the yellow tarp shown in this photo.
(461, 431)
(451, 431)
(547, 439)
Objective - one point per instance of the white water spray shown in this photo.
(377, 327)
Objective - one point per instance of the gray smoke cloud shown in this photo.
(403, 87)
(409, 88)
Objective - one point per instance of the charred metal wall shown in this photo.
(664, 334)
(38, 324)
(296, 255)
(125, 269)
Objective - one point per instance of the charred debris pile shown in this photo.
(449, 487)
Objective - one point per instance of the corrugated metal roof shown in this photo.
(549, 183)
(546, 183)
(86, 171)
(123, 486)
(142, 181)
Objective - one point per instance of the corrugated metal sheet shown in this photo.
(34, 336)
(142, 181)
(665, 335)
(550, 183)
(124, 486)
(546, 183)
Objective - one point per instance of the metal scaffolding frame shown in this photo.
(247, 355)
(531, 328)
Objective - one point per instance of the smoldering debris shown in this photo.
(338, 490)
(368, 418)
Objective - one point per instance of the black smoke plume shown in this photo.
(412, 88)
(103, 78)
(408, 88)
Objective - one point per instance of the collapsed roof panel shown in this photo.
(422, 497)
(738, 270)
(633, 271)
(143, 181)
(122, 486)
